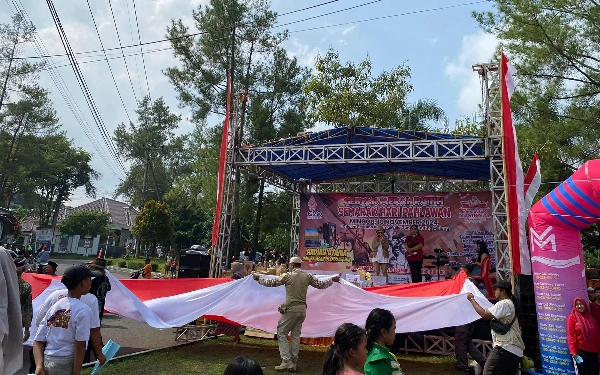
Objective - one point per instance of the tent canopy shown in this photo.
(348, 152)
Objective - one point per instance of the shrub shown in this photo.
(122, 264)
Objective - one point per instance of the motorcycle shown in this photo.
(136, 274)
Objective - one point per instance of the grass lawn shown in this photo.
(211, 358)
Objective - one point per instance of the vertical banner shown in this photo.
(336, 229)
(558, 277)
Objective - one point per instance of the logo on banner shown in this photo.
(312, 213)
(541, 240)
(474, 210)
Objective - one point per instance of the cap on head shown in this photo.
(53, 264)
(295, 260)
(503, 284)
(590, 289)
(380, 229)
(98, 263)
(76, 274)
(45, 247)
(20, 264)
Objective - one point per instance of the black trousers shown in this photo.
(501, 362)
(463, 345)
(589, 366)
(415, 270)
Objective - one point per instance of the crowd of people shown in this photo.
(68, 321)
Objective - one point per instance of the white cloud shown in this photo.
(475, 48)
(348, 30)
(305, 53)
(433, 41)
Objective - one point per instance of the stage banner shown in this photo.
(336, 229)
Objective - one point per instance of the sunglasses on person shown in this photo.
(379, 232)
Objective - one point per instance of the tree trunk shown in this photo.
(261, 190)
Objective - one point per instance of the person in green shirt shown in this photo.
(381, 332)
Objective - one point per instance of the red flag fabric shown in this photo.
(514, 179)
(222, 162)
(532, 182)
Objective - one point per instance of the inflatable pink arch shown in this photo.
(555, 223)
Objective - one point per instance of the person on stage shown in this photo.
(381, 252)
(414, 253)
(583, 338)
(482, 253)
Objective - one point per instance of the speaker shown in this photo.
(186, 273)
(190, 261)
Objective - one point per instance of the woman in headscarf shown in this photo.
(583, 338)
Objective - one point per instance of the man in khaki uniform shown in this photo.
(293, 311)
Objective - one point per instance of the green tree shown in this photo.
(553, 44)
(348, 95)
(154, 223)
(15, 72)
(85, 223)
(156, 154)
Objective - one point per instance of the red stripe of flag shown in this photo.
(514, 180)
(222, 162)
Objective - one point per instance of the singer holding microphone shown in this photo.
(381, 248)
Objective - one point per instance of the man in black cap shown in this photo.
(101, 284)
(508, 347)
(62, 335)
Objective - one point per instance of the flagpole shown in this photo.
(504, 92)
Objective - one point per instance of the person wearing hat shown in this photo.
(507, 348)
(381, 247)
(293, 311)
(100, 288)
(63, 333)
(51, 268)
(25, 297)
(591, 294)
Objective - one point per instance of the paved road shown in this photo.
(131, 335)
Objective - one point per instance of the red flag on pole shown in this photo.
(222, 162)
(514, 179)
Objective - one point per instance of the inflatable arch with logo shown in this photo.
(555, 223)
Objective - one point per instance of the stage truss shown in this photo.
(257, 160)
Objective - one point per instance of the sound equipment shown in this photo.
(188, 263)
(187, 273)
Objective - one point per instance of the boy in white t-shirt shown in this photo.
(90, 300)
(61, 337)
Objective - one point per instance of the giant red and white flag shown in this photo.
(222, 162)
(513, 174)
(532, 182)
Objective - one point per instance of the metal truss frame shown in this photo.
(229, 190)
(451, 149)
(492, 107)
(256, 159)
(439, 345)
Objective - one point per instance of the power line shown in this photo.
(391, 16)
(137, 65)
(329, 13)
(63, 90)
(137, 24)
(107, 63)
(191, 35)
(121, 46)
(307, 8)
(84, 88)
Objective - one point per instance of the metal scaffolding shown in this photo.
(260, 160)
(491, 100)
(222, 250)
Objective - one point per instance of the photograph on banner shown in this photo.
(336, 229)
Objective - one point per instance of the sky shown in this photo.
(438, 39)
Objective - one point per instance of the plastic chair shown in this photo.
(486, 278)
